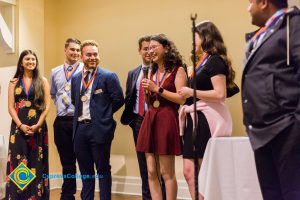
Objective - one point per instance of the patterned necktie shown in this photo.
(69, 68)
(83, 90)
(86, 80)
(141, 100)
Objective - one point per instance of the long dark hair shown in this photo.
(172, 58)
(37, 81)
(213, 44)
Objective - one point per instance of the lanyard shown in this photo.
(200, 64)
(161, 80)
(271, 22)
(26, 88)
(86, 85)
(69, 77)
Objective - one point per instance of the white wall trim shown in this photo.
(7, 25)
(9, 2)
(128, 185)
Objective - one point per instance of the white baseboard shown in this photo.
(126, 185)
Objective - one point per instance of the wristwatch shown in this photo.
(160, 90)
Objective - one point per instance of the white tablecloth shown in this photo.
(228, 170)
(3, 156)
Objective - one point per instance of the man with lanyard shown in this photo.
(270, 95)
(96, 95)
(61, 77)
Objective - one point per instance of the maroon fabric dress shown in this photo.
(159, 131)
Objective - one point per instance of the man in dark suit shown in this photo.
(135, 108)
(96, 95)
(270, 95)
(131, 114)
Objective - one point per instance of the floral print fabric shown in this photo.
(31, 150)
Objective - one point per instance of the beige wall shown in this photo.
(31, 25)
(29, 22)
(116, 26)
(29, 32)
(10, 59)
(294, 2)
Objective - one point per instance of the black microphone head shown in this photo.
(145, 71)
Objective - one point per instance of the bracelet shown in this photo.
(20, 126)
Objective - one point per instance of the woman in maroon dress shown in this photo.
(159, 134)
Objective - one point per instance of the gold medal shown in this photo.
(66, 100)
(18, 90)
(156, 104)
(27, 103)
(84, 98)
(67, 87)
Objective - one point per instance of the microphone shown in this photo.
(145, 71)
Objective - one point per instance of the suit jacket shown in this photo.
(130, 96)
(103, 104)
(270, 87)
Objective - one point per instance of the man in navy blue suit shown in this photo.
(96, 95)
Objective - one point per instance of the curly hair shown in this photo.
(213, 44)
(172, 58)
(37, 81)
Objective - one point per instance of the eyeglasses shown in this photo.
(153, 47)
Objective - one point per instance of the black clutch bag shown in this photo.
(232, 89)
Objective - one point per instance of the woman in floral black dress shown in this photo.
(28, 105)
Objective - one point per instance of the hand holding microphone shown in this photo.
(145, 73)
(146, 84)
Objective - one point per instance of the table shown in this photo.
(228, 170)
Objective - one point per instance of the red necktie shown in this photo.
(141, 100)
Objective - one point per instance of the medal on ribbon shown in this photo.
(67, 87)
(66, 100)
(18, 90)
(69, 75)
(84, 98)
(85, 85)
(27, 103)
(158, 82)
(156, 103)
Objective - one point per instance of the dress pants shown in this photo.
(135, 125)
(278, 165)
(90, 153)
(63, 131)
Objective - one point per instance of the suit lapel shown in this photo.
(135, 77)
(251, 52)
(78, 87)
(95, 81)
